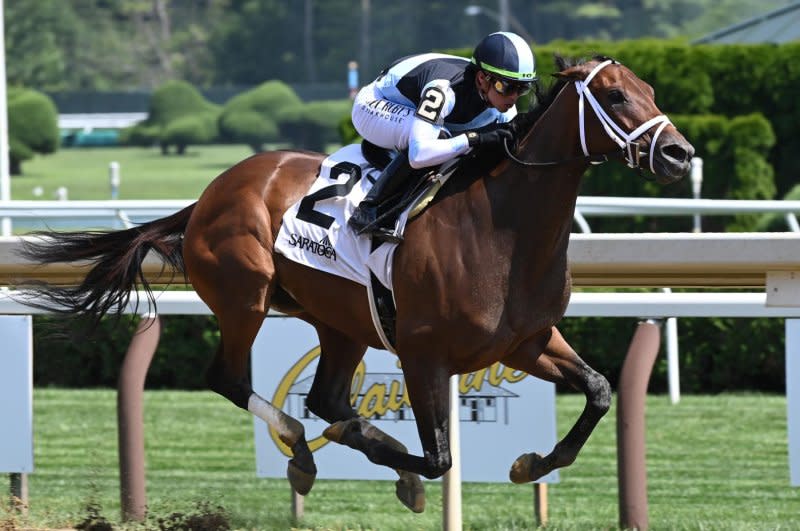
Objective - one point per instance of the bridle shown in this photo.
(631, 151)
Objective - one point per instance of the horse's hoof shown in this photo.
(300, 480)
(411, 492)
(522, 469)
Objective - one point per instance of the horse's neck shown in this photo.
(543, 198)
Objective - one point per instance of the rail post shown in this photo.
(451, 481)
(130, 417)
(631, 395)
(19, 492)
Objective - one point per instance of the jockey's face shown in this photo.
(488, 87)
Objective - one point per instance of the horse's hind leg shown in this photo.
(557, 362)
(329, 398)
(239, 296)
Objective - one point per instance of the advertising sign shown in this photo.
(16, 386)
(504, 413)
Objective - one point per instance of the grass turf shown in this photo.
(714, 463)
(145, 172)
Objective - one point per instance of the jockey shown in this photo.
(437, 107)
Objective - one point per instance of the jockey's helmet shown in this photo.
(506, 55)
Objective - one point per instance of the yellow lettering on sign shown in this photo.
(375, 399)
(495, 374)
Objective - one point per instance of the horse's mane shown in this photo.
(544, 97)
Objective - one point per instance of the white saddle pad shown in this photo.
(315, 232)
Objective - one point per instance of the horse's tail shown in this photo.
(116, 270)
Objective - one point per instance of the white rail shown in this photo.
(655, 206)
(641, 305)
(586, 206)
(151, 208)
(633, 260)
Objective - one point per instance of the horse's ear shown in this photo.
(567, 69)
(570, 74)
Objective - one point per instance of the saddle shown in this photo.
(422, 186)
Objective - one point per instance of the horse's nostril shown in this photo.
(676, 152)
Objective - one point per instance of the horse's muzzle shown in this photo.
(672, 159)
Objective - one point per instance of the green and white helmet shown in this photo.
(506, 55)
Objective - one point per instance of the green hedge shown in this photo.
(66, 359)
(32, 126)
(315, 124)
(178, 116)
(252, 117)
(716, 354)
(272, 112)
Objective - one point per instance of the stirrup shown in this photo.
(375, 230)
(386, 235)
(363, 218)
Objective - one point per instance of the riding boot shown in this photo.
(365, 217)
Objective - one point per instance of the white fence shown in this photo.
(107, 212)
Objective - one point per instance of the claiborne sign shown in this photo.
(504, 412)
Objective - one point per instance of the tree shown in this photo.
(108, 44)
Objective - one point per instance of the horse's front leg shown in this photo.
(428, 390)
(329, 398)
(557, 362)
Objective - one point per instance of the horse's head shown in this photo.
(618, 114)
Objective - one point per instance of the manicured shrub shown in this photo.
(315, 124)
(253, 117)
(32, 126)
(178, 116)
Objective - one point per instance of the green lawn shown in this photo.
(715, 463)
(145, 172)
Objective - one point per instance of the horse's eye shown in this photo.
(616, 96)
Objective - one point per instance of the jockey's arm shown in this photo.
(425, 147)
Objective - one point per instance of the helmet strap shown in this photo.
(484, 95)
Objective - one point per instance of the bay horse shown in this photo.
(482, 276)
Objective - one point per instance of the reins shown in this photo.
(592, 159)
(630, 150)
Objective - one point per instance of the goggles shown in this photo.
(505, 87)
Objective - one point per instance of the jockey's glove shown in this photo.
(490, 135)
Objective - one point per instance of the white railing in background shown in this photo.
(638, 305)
(98, 213)
(662, 206)
(587, 206)
(592, 206)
